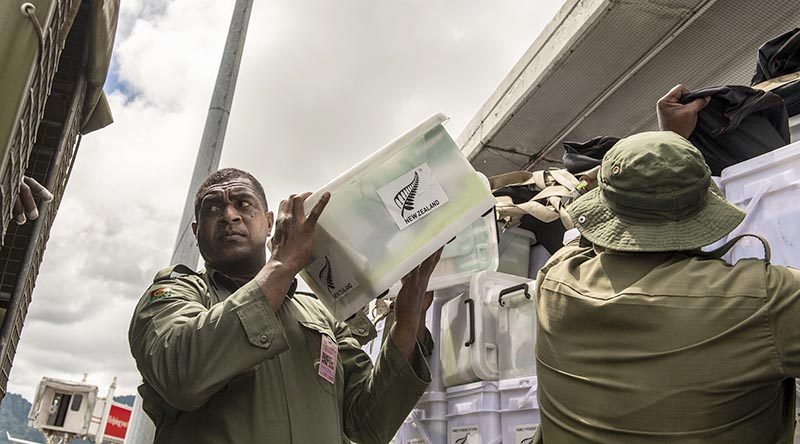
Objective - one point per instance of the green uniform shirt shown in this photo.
(666, 348)
(220, 366)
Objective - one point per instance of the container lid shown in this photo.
(760, 162)
(480, 386)
(390, 149)
(433, 397)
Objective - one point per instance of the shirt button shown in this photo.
(263, 339)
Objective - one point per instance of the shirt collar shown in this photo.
(222, 281)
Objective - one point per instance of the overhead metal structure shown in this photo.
(55, 57)
(600, 66)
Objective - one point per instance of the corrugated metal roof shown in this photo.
(600, 66)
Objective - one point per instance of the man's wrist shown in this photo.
(274, 280)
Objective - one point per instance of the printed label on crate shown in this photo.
(523, 434)
(413, 196)
(465, 435)
(338, 281)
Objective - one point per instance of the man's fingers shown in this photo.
(18, 212)
(28, 204)
(674, 95)
(697, 105)
(286, 209)
(37, 189)
(316, 212)
(298, 208)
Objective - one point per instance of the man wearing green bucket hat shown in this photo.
(644, 338)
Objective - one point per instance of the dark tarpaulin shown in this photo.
(781, 57)
(548, 234)
(580, 157)
(738, 124)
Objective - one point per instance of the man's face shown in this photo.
(232, 224)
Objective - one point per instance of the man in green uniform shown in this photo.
(233, 355)
(642, 337)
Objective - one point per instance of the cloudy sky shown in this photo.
(322, 85)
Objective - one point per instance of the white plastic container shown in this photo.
(473, 414)
(516, 331)
(473, 250)
(468, 348)
(519, 414)
(427, 422)
(515, 251)
(767, 187)
(390, 212)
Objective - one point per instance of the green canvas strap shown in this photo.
(724, 249)
(556, 188)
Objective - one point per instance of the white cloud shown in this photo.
(322, 85)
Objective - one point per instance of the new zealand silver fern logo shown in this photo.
(405, 198)
(326, 275)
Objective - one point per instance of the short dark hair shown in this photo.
(225, 175)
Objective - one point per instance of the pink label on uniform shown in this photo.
(328, 354)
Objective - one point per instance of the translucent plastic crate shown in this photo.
(390, 212)
(468, 348)
(516, 331)
(515, 250)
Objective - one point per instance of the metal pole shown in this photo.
(214, 133)
(142, 430)
(98, 439)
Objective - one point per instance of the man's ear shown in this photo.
(194, 228)
(270, 220)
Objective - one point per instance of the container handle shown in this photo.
(471, 306)
(513, 289)
(762, 189)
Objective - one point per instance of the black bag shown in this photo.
(583, 156)
(738, 124)
(778, 59)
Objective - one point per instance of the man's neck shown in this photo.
(239, 273)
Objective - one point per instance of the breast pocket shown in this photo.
(330, 361)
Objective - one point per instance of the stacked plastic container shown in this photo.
(515, 249)
(468, 348)
(473, 413)
(516, 337)
(477, 327)
(767, 187)
(519, 410)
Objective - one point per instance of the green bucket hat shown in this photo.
(654, 193)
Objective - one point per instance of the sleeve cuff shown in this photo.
(260, 323)
(416, 374)
(426, 344)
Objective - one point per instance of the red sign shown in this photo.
(119, 417)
